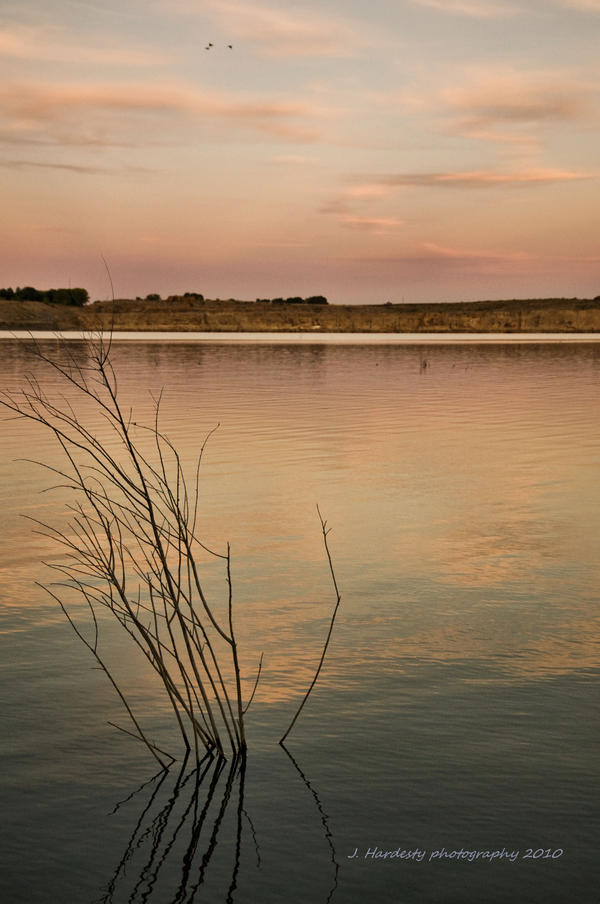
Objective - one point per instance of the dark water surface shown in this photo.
(457, 710)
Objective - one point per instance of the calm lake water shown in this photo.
(457, 708)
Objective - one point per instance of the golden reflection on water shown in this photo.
(464, 500)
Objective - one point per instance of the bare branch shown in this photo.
(324, 531)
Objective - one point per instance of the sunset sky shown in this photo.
(416, 150)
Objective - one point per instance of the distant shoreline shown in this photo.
(183, 315)
(315, 338)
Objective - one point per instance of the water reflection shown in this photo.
(466, 505)
(190, 822)
(176, 840)
(324, 823)
(464, 496)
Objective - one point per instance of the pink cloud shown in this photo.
(444, 252)
(470, 179)
(592, 6)
(69, 167)
(503, 104)
(377, 225)
(480, 9)
(516, 100)
(80, 169)
(479, 259)
(437, 261)
(102, 113)
(299, 160)
(50, 43)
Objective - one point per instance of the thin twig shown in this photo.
(325, 531)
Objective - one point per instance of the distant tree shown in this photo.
(197, 295)
(153, 296)
(7, 293)
(295, 299)
(77, 297)
(317, 299)
(28, 293)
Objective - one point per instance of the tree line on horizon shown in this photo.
(80, 297)
(295, 299)
(197, 296)
(74, 296)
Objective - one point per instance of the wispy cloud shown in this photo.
(80, 169)
(69, 167)
(474, 179)
(370, 188)
(105, 114)
(448, 253)
(354, 206)
(377, 225)
(483, 259)
(480, 9)
(432, 257)
(592, 6)
(52, 44)
(58, 230)
(295, 31)
(504, 104)
(492, 100)
(299, 160)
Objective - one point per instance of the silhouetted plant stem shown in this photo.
(234, 653)
(325, 531)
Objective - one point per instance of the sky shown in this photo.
(415, 150)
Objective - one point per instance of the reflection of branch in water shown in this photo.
(160, 824)
(175, 838)
(238, 834)
(324, 820)
(254, 838)
(197, 826)
(135, 793)
(154, 836)
(216, 826)
(131, 845)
